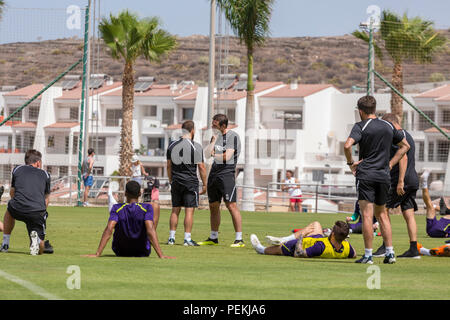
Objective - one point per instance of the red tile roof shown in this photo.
(232, 94)
(160, 90)
(302, 90)
(26, 92)
(62, 125)
(435, 130)
(75, 93)
(444, 98)
(25, 125)
(436, 92)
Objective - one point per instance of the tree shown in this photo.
(2, 6)
(129, 38)
(403, 39)
(249, 20)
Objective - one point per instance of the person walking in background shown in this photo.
(88, 178)
(292, 186)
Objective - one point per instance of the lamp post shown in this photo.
(286, 117)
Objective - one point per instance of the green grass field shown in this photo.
(218, 272)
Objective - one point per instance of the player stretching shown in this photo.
(435, 228)
(183, 158)
(30, 195)
(375, 138)
(309, 243)
(132, 224)
(404, 186)
(225, 148)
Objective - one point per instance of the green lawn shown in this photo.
(217, 273)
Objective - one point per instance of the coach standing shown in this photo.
(183, 158)
(225, 148)
(372, 171)
(30, 191)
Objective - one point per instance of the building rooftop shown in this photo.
(436, 92)
(300, 91)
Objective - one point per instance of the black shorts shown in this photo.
(407, 201)
(222, 187)
(35, 221)
(184, 196)
(374, 192)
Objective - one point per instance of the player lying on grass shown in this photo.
(357, 227)
(309, 243)
(132, 223)
(435, 228)
(442, 251)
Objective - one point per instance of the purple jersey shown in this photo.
(130, 234)
(438, 228)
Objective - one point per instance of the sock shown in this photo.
(288, 238)
(172, 234)
(111, 200)
(6, 239)
(425, 251)
(238, 235)
(187, 236)
(368, 252)
(214, 235)
(413, 245)
(260, 249)
(425, 179)
(389, 250)
(442, 207)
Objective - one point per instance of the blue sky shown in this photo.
(291, 18)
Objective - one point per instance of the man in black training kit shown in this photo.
(404, 186)
(372, 171)
(183, 157)
(225, 148)
(30, 194)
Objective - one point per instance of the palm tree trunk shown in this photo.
(249, 179)
(126, 135)
(397, 82)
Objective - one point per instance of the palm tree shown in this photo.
(249, 20)
(404, 39)
(129, 38)
(2, 6)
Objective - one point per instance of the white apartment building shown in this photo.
(314, 141)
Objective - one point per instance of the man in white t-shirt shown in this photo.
(292, 186)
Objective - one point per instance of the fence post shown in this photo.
(317, 196)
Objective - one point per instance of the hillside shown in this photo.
(341, 61)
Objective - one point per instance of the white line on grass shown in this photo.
(30, 286)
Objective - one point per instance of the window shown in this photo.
(167, 116)
(296, 123)
(75, 145)
(420, 151)
(6, 172)
(63, 171)
(423, 123)
(267, 149)
(443, 148)
(229, 112)
(99, 145)
(73, 113)
(112, 117)
(150, 111)
(446, 116)
(405, 121)
(155, 146)
(98, 171)
(430, 151)
(188, 113)
(50, 142)
(33, 113)
(17, 116)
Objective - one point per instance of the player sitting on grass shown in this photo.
(435, 228)
(309, 243)
(133, 227)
